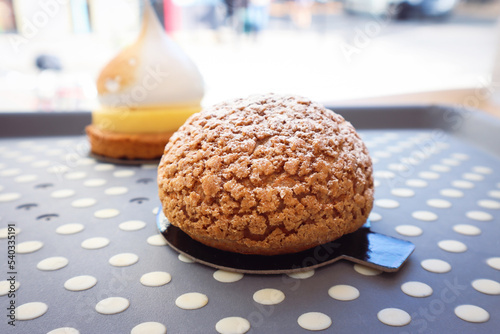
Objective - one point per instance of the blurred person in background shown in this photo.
(7, 21)
(302, 13)
(235, 14)
(257, 17)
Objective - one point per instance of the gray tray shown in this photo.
(42, 153)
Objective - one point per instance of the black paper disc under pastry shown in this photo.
(363, 246)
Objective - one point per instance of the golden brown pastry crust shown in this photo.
(127, 146)
(266, 175)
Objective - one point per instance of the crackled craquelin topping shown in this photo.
(266, 175)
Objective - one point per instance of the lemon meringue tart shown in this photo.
(145, 93)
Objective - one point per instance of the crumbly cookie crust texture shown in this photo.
(268, 174)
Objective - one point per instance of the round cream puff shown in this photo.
(267, 175)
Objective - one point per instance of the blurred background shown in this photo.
(338, 52)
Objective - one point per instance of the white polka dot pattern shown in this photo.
(64, 330)
(452, 246)
(402, 192)
(436, 266)
(394, 317)
(454, 193)
(486, 286)
(31, 310)
(191, 301)
(467, 229)
(302, 274)
(7, 287)
(494, 194)
(439, 203)
(29, 247)
(41, 164)
(427, 216)
(53, 263)
(9, 197)
(124, 173)
(409, 230)
(489, 204)
(450, 162)
(422, 187)
(4, 232)
(95, 243)
(227, 277)
(384, 174)
(314, 321)
(416, 183)
(155, 278)
(440, 168)
(463, 184)
(366, 271)
(343, 292)
(63, 193)
(104, 167)
(75, 176)
(184, 258)
(268, 296)
(112, 305)
(116, 191)
(149, 328)
(70, 228)
(416, 289)
(106, 213)
(398, 167)
(156, 240)
(10, 172)
(132, 225)
(482, 170)
(83, 202)
(92, 183)
(472, 313)
(26, 178)
(386, 203)
(472, 177)
(374, 216)
(85, 162)
(479, 215)
(494, 262)
(460, 156)
(123, 259)
(80, 283)
(427, 175)
(232, 325)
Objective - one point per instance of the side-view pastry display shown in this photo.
(86, 228)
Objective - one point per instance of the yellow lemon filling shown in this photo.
(153, 120)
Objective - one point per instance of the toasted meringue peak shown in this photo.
(152, 72)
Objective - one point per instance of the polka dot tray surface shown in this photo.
(81, 252)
